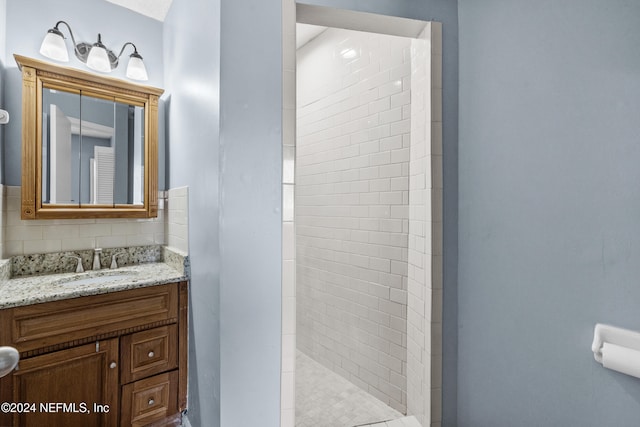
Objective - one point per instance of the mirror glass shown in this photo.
(92, 149)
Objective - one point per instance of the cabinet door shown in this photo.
(73, 387)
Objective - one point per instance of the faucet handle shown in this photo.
(79, 268)
(114, 263)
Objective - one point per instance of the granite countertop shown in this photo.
(28, 290)
(25, 290)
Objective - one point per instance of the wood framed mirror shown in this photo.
(89, 144)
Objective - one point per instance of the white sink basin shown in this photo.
(97, 279)
(9, 357)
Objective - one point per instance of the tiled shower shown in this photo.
(352, 207)
(368, 143)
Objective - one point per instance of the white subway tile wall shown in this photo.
(352, 207)
(177, 224)
(43, 236)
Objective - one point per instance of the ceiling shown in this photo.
(156, 9)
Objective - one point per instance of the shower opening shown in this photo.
(368, 196)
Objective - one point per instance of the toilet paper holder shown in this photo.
(613, 335)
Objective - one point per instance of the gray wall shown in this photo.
(549, 209)
(3, 45)
(191, 42)
(250, 212)
(226, 146)
(231, 161)
(27, 24)
(3, 30)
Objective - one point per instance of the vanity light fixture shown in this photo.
(96, 55)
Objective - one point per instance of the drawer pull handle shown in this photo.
(113, 365)
(151, 402)
(151, 354)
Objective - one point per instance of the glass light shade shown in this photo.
(99, 60)
(53, 47)
(136, 69)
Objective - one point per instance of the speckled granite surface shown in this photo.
(25, 290)
(62, 262)
(176, 259)
(5, 269)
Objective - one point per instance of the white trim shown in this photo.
(359, 21)
(90, 129)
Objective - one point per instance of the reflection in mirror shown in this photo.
(92, 150)
(57, 152)
(129, 154)
(95, 173)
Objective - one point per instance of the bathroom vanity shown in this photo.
(105, 348)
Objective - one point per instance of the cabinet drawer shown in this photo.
(148, 353)
(48, 324)
(149, 400)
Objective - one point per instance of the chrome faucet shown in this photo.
(96, 258)
(79, 268)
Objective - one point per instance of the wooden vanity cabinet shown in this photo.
(118, 359)
(76, 377)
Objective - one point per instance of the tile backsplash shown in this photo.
(21, 237)
(177, 218)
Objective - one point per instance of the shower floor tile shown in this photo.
(400, 422)
(325, 399)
